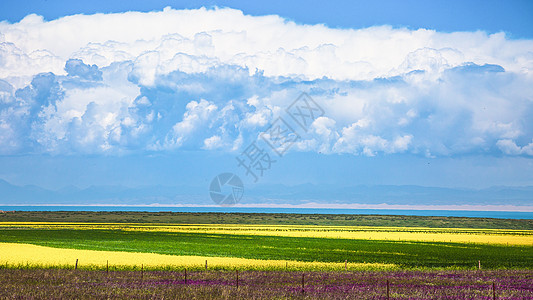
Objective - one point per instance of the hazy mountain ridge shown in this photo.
(267, 194)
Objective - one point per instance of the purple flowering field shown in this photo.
(443, 284)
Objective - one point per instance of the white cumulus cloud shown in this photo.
(215, 78)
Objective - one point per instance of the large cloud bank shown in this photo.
(214, 79)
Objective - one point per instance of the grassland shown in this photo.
(267, 240)
(27, 256)
(82, 284)
(456, 235)
(340, 256)
(262, 246)
(264, 219)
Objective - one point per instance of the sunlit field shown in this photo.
(454, 235)
(264, 246)
(32, 256)
(197, 258)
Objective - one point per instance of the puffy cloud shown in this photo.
(214, 79)
(189, 40)
(213, 142)
(76, 67)
(19, 66)
(511, 148)
(197, 114)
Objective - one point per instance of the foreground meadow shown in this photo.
(77, 284)
(55, 255)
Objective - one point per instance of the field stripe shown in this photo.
(15, 254)
(455, 235)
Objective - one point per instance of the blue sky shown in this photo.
(432, 93)
(513, 17)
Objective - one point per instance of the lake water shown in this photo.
(440, 213)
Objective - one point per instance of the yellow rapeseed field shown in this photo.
(32, 255)
(456, 235)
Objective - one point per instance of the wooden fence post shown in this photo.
(206, 264)
(346, 265)
(142, 272)
(388, 290)
(303, 282)
(493, 290)
(107, 267)
(237, 271)
(76, 266)
(479, 264)
(185, 275)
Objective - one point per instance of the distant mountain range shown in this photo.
(271, 194)
(113, 194)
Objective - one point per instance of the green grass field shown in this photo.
(264, 219)
(403, 253)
